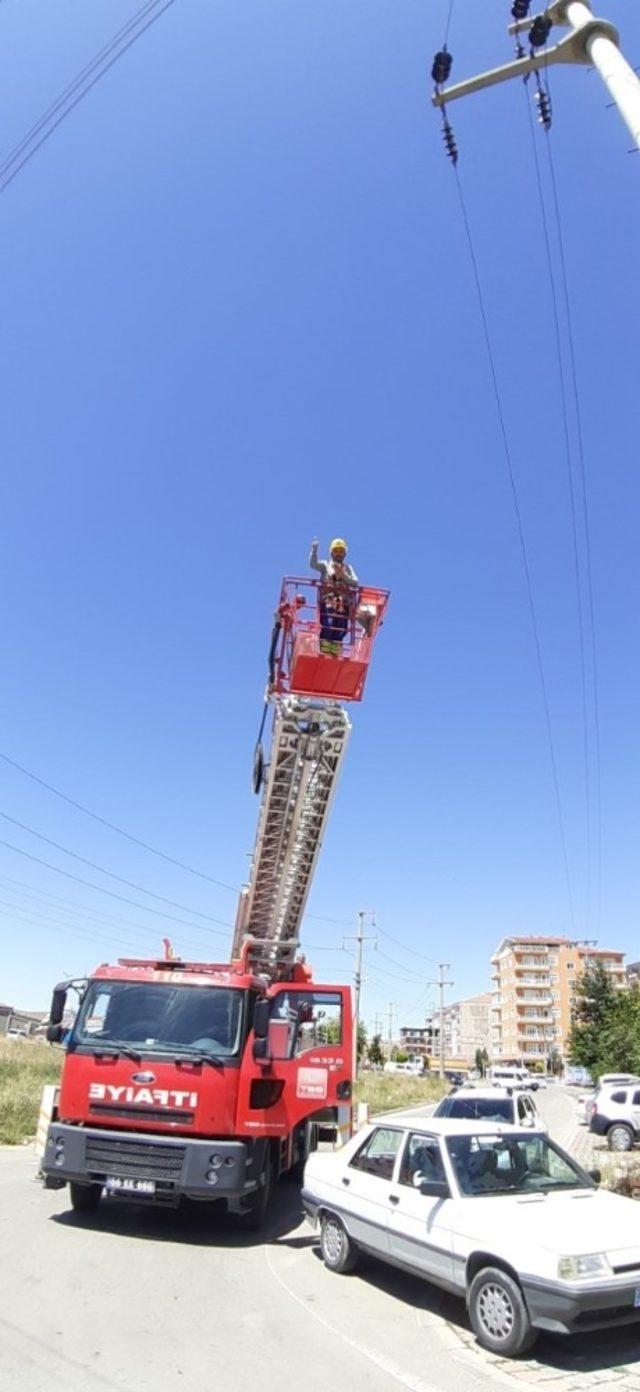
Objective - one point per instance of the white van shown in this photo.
(509, 1076)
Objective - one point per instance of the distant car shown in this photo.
(17, 1034)
(615, 1113)
(415, 1070)
(497, 1214)
(491, 1104)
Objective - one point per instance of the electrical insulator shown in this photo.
(441, 67)
(540, 31)
(520, 9)
(449, 141)
(544, 107)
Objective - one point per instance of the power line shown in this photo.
(137, 841)
(572, 500)
(521, 537)
(405, 947)
(175, 904)
(585, 515)
(67, 906)
(146, 908)
(16, 162)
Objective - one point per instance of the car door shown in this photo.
(635, 1109)
(419, 1231)
(366, 1185)
(526, 1113)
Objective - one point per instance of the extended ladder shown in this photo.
(308, 745)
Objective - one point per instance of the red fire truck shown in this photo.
(208, 1081)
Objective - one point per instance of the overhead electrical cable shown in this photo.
(521, 539)
(585, 515)
(137, 841)
(72, 909)
(82, 85)
(572, 499)
(146, 908)
(405, 947)
(174, 904)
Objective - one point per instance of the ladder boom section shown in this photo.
(308, 746)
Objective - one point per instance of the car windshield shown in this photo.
(512, 1165)
(477, 1108)
(161, 1019)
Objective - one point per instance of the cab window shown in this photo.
(378, 1154)
(312, 1019)
(421, 1160)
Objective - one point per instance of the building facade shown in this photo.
(534, 983)
(467, 1028)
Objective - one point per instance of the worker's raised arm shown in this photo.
(314, 563)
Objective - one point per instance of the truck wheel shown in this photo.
(499, 1316)
(339, 1253)
(620, 1137)
(260, 1201)
(84, 1197)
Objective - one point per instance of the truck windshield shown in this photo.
(162, 1019)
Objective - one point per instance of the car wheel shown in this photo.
(499, 1316)
(84, 1197)
(339, 1253)
(620, 1138)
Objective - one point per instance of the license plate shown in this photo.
(636, 1298)
(114, 1185)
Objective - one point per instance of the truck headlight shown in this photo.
(573, 1268)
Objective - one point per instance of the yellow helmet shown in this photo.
(338, 545)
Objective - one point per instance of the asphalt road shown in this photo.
(135, 1300)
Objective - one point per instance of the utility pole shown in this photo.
(392, 1011)
(360, 939)
(592, 42)
(441, 983)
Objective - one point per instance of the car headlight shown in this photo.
(573, 1268)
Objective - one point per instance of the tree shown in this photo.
(481, 1061)
(593, 1034)
(374, 1051)
(362, 1040)
(554, 1061)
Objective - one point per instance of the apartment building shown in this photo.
(415, 1039)
(534, 980)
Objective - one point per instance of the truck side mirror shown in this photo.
(55, 1029)
(261, 1019)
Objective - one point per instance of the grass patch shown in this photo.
(24, 1070)
(384, 1091)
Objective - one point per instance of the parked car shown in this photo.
(491, 1104)
(499, 1215)
(586, 1100)
(615, 1113)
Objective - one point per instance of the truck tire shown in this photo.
(620, 1137)
(259, 1202)
(84, 1197)
(498, 1314)
(339, 1253)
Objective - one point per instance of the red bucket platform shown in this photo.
(297, 664)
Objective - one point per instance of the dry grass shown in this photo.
(384, 1091)
(25, 1067)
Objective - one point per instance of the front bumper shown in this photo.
(310, 1206)
(565, 1309)
(174, 1166)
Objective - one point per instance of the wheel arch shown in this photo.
(479, 1259)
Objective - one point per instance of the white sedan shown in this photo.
(499, 1215)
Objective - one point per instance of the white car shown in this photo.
(491, 1104)
(584, 1104)
(499, 1215)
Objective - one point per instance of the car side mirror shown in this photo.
(434, 1188)
(595, 1175)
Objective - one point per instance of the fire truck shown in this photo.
(207, 1081)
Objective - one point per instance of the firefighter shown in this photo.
(338, 595)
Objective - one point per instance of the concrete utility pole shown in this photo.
(592, 42)
(392, 1011)
(441, 983)
(359, 939)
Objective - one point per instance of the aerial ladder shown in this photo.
(310, 733)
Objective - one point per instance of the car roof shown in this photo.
(453, 1126)
(491, 1093)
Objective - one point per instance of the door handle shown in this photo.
(346, 1181)
(394, 1198)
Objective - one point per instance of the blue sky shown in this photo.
(238, 312)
